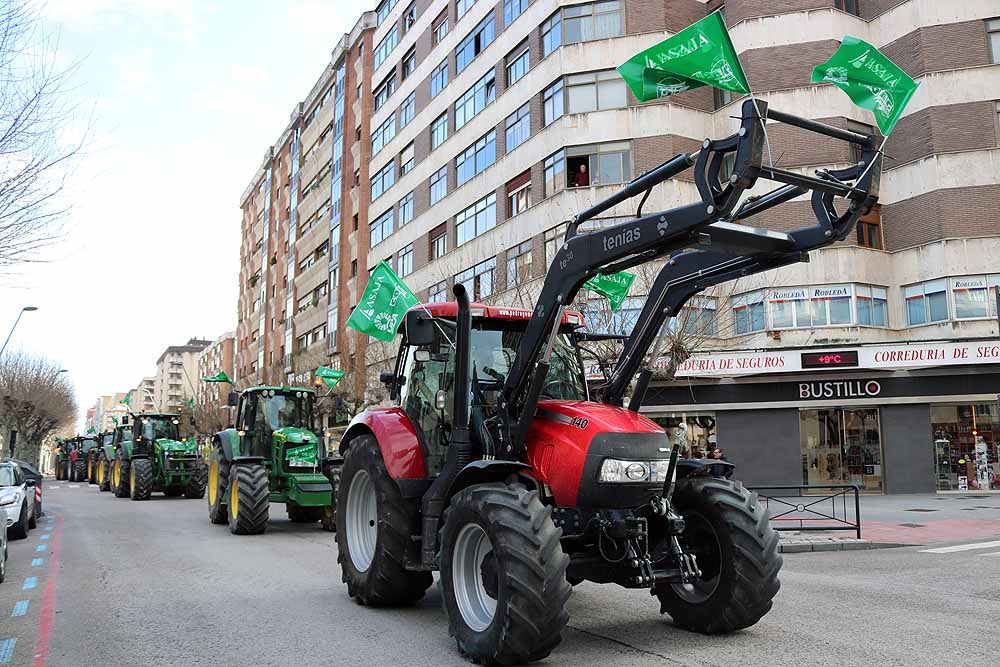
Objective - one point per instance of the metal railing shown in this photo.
(808, 507)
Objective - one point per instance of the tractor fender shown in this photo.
(229, 441)
(704, 468)
(246, 460)
(479, 472)
(401, 450)
(123, 453)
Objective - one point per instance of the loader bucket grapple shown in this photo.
(501, 467)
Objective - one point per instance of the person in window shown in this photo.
(582, 178)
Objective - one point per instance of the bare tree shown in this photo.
(35, 401)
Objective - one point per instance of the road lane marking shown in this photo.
(7, 650)
(21, 608)
(37, 562)
(46, 536)
(74, 486)
(994, 553)
(47, 613)
(40, 548)
(961, 547)
(29, 583)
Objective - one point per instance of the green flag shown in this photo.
(90, 429)
(218, 377)
(115, 420)
(699, 55)
(330, 376)
(382, 306)
(191, 403)
(871, 80)
(613, 287)
(126, 400)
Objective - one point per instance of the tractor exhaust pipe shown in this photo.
(460, 447)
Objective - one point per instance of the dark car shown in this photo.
(31, 472)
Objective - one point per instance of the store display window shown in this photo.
(965, 440)
(693, 432)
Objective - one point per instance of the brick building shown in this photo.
(454, 138)
(219, 356)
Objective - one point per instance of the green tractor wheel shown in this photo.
(218, 485)
(119, 477)
(104, 473)
(198, 483)
(141, 479)
(249, 498)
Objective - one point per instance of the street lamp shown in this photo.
(26, 309)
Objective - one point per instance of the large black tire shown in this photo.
(140, 479)
(197, 484)
(19, 529)
(382, 579)
(79, 472)
(60, 470)
(328, 515)
(119, 481)
(298, 514)
(104, 473)
(91, 469)
(737, 553)
(523, 571)
(249, 499)
(218, 487)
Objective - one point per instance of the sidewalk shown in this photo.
(903, 520)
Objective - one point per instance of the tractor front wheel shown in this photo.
(218, 485)
(119, 477)
(737, 551)
(197, 484)
(249, 498)
(373, 529)
(140, 479)
(503, 575)
(103, 473)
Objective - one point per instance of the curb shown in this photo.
(842, 545)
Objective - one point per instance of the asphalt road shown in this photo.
(119, 582)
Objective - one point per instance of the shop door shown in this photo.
(842, 446)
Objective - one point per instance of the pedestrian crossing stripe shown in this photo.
(7, 650)
(961, 547)
(30, 582)
(37, 562)
(21, 608)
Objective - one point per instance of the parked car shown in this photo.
(31, 472)
(17, 499)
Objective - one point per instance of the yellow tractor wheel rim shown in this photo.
(116, 473)
(213, 482)
(90, 469)
(131, 480)
(100, 474)
(234, 498)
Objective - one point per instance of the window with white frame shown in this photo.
(598, 20)
(409, 18)
(475, 43)
(475, 99)
(406, 159)
(872, 305)
(698, 317)
(384, 179)
(407, 110)
(553, 240)
(440, 27)
(512, 9)
(748, 312)
(593, 91)
(974, 296)
(438, 293)
(518, 128)
(331, 326)
(519, 264)
(462, 6)
(518, 65)
(439, 78)
(381, 227)
(475, 220)
(404, 261)
(597, 164)
(385, 90)
(406, 209)
(439, 130)
(478, 280)
(518, 194)
(553, 170)
(993, 37)
(438, 241)
(409, 63)
(386, 46)
(439, 184)
(477, 157)
(383, 134)
(804, 307)
(552, 102)
(926, 302)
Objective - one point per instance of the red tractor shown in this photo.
(501, 467)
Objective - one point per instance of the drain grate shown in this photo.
(919, 509)
(912, 525)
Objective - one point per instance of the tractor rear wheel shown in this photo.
(299, 514)
(79, 471)
(119, 477)
(103, 470)
(737, 550)
(197, 484)
(140, 479)
(503, 574)
(373, 529)
(218, 485)
(249, 498)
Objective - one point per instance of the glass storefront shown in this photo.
(693, 432)
(842, 446)
(965, 446)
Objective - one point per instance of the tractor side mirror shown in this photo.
(232, 399)
(419, 328)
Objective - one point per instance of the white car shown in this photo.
(17, 500)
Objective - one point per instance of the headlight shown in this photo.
(616, 470)
(8, 499)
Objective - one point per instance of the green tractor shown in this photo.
(151, 456)
(272, 455)
(93, 457)
(63, 463)
(71, 465)
(105, 455)
(111, 463)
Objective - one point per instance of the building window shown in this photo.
(409, 62)
(385, 90)
(598, 164)
(849, 6)
(512, 9)
(475, 99)
(462, 6)
(972, 296)
(585, 23)
(748, 312)
(553, 170)
(869, 229)
(380, 228)
(475, 220)
(722, 97)
(409, 18)
(383, 134)
(438, 293)
(386, 46)
(477, 157)
(553, 240)
(439, 130)
(407, 110)
(873, 306)
(479, 279)
(439, 78)
(331, 325)
(383, 179)
(439, 185)
(438, 241)
(810, 307)
(519, 265)
(593, 91)
(406, 209)
(440, 27)
(993, 34)
(518, 128)
(698, 317)
(926, 302)
(404, 262)
(551, 34)
(518, 194)
(518, 66)
(406, 159)
(552, 101)
(382, 13)
(475, 43)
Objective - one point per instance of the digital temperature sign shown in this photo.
(846, 359)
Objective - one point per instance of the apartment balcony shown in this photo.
(311, 239)
(312, 201)
(311, 316)
(322, 120)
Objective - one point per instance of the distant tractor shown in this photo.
(63, 462)
(71, 464)
(106, 456)
(151, 456)
(93, 457)
(272, 455)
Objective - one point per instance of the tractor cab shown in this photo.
(149, 428)
(87, 443)
(275, 423)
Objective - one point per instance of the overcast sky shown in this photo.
(182, 98)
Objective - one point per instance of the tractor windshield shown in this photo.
(88, 444)
(493, 353)
(154, 428)
(283, 410)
